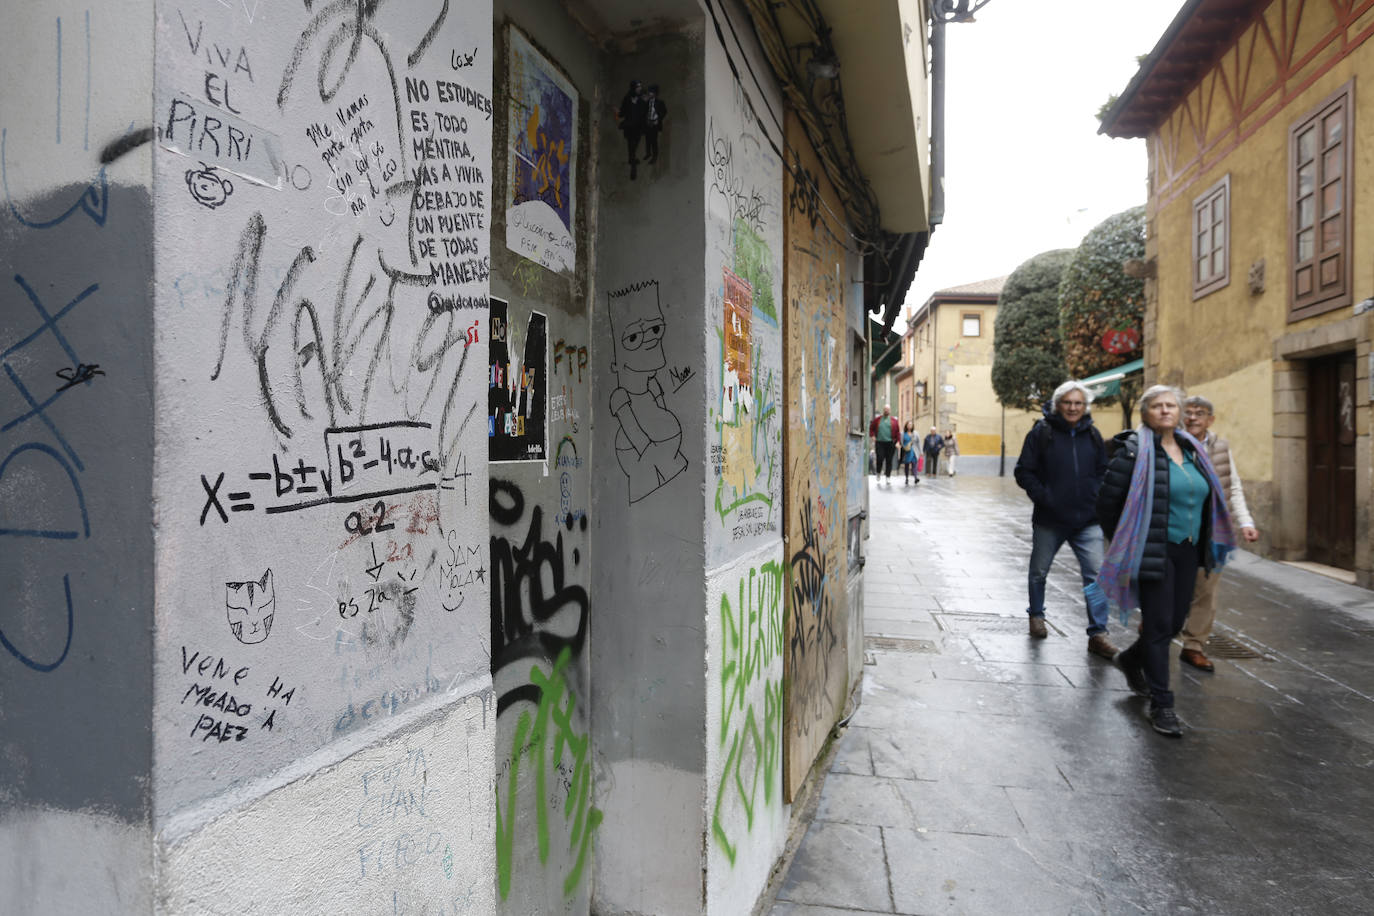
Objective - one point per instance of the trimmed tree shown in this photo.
(1027, 352)
(1101, 309)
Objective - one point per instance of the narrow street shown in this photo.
(985, 772)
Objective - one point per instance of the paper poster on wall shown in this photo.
(518, 397)
(542, 124)
(737, 341)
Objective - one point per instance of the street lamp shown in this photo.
(958, 10)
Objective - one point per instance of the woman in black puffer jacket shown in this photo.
(1154, 558)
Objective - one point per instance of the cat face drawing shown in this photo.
(250, 607)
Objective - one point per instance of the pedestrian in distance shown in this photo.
(951, 451)
(1164, 509)
(1198, 416)
(909, 443)
(1061, 465)
(885, 434)
(932, 445)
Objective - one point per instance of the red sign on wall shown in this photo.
(1120, 341)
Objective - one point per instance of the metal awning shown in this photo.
(1107, 384)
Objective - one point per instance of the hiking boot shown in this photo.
(1038, 630)
(1135, 674)
(1163, 720)
(1101, 646)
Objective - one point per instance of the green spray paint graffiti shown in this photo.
(754, 262)
(551, 718)
(750, 676)
(749, 437)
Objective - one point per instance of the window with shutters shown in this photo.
(1212, 239)
(1319, 194)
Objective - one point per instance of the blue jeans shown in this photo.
(1087, 547)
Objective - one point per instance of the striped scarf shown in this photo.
(1119, 576)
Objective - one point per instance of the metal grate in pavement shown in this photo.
(1225, 647)
(899, 644)
(985, 623)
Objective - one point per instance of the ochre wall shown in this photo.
(1226, 345)
(1208, 138)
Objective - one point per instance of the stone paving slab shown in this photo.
(986, 772)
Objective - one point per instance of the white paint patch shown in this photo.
(650, 794)
(74, 863)
(403, 826)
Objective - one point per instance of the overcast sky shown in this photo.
(1025, 169)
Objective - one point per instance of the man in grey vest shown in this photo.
(1198, 416)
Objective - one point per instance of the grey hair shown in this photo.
(1154, 391)
(1071, 385)
(1198, 400)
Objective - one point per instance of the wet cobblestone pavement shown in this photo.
(986, 772)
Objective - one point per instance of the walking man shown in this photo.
(1061, 466)
(1198, 416)
(932, 445)
(885, 433)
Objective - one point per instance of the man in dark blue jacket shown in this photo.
(1061, 467)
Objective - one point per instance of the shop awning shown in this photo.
(1107, 384)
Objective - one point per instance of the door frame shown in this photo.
(1291, 355)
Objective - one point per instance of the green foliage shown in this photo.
(1096, 296)
(1107, 106)
(1027, 353)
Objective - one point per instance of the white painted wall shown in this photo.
(321, 355)
(746, 819)
(746, 816)
(401, 826)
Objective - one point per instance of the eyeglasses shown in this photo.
(1197, 413)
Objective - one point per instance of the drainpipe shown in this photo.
(937, 122)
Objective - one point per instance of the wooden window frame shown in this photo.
(1222, 190)
(965, 316)
(1339, 295)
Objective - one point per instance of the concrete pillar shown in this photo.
(686, 648)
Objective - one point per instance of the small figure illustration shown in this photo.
(208, 188)
(250, 607)
(655, 111)
(631, 115)
(648, 444)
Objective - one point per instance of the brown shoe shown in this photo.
(1038, 628)
(1195, 658)
(1101, 646)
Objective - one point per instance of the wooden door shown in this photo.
(1331, 461)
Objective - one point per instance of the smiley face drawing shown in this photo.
(207, 187)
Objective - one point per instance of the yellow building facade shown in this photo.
(1257, 118)
(945, 378)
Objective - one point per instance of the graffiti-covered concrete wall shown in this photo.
(817, 478)
(540, 412)
(649, 336)
(743, 512)
(76, 470)
(323, 198)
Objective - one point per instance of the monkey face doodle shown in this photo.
(250, 607)
(208, 188)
